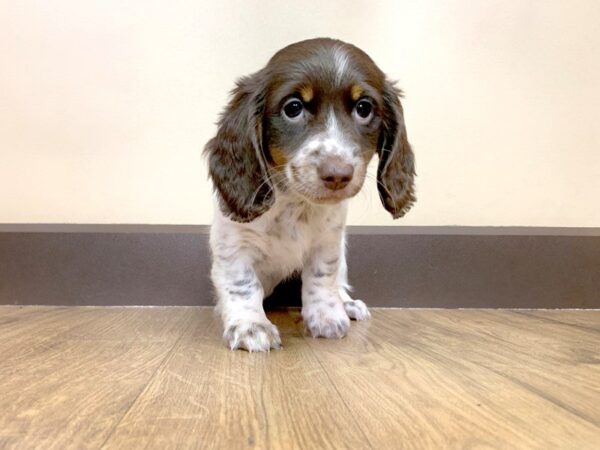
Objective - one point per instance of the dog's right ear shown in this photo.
(236, 162)
(396, 170)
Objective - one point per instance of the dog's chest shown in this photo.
(280, 241)
(290, 233)
(291, 230)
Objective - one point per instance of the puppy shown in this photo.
(292, 148)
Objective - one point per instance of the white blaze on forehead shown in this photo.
(340, 60)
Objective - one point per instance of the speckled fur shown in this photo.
(274, 215)
(250, 259)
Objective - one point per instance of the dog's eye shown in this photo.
(363, 111)
(293, 108)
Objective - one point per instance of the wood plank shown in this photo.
(208, 396)
(134, 324)
(10, 315)
(580, 318)
(161, 378)
(6, 310)
(41, 322)
(558, 361)
(60, 390)
(407, 390)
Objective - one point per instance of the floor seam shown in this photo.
(541, 395)
(551, 320)
(337, 391)
(159, 366)
(436, 355)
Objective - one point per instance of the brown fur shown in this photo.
(252, 138)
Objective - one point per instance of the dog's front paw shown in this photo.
(252, 336)
(328, 320)
(357, 310)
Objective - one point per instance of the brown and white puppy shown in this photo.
(291, 148)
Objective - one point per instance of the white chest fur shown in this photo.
(280, 241)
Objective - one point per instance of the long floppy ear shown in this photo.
(396, 169)
(236, 162)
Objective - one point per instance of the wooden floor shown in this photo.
(160, 378)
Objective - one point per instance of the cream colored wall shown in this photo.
(105, 105)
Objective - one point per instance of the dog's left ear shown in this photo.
(396, 169)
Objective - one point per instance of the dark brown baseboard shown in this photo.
(441, 267)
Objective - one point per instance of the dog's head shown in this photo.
(310, 122)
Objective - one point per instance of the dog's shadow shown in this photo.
(287, 294)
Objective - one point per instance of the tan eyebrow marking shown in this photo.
(278, 156)
(307, 93)
(356, 91)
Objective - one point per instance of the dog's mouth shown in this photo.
(307, 183)
(321, 195)
(331, 197)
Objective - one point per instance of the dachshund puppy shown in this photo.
(292, 148)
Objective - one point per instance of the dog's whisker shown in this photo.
(379, 183)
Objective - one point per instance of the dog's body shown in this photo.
(292, 148)
(250, 259)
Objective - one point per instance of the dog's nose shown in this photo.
(335, 173)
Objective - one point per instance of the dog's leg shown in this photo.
(240, 303)
(322, 303)
(356, 309)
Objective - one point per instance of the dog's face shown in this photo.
(310, 122)
(323, 115)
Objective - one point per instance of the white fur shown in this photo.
(250, 259)
(330, 142)
(336, 143)
(340, 58)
